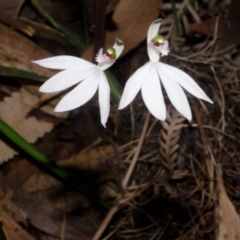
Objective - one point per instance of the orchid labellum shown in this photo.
(153, 74)
(89, 76)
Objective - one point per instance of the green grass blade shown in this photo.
(70, 34)
(22, 74)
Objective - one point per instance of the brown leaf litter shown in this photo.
(14, 109)
(172, 185)
(228, 218)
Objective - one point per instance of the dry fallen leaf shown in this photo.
(41, 191)
(111, 6)
(49, 218)
(48, 204)
(17, 52)
(133, 19)
(94, 159)
(98, 162)
(13, 110)
(11, 229)
(229, 222)
(48, 237)
(9, 7)
(97, 159)
(13, 211)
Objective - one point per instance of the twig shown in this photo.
(132, 121)
(115, 208)
(206, 147)
(218, 130)
(135, 157)
(222, 106)
(63, 228)
(105, 222)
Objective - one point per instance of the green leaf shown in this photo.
(22, 74)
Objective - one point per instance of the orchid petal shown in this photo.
(153, 29)
(133, 85)
(185, 81)
(99, 57)
(105, 65)
(153, 55)
(80, 94)
(102, 58)
(174, 92)
(118, 46)
(152, 94)
(152, 32)
(66, 79)
(104, 98)
(64, 62)
(164, 50)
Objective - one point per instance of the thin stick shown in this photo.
(135, 157)
(206, 147)
(105, 222)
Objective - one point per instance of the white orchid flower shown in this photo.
(148, 78)
(91, 76)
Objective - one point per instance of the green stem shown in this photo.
(116, 88)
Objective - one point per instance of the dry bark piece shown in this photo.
(133, 19)
(170, 135)
(229, 222)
